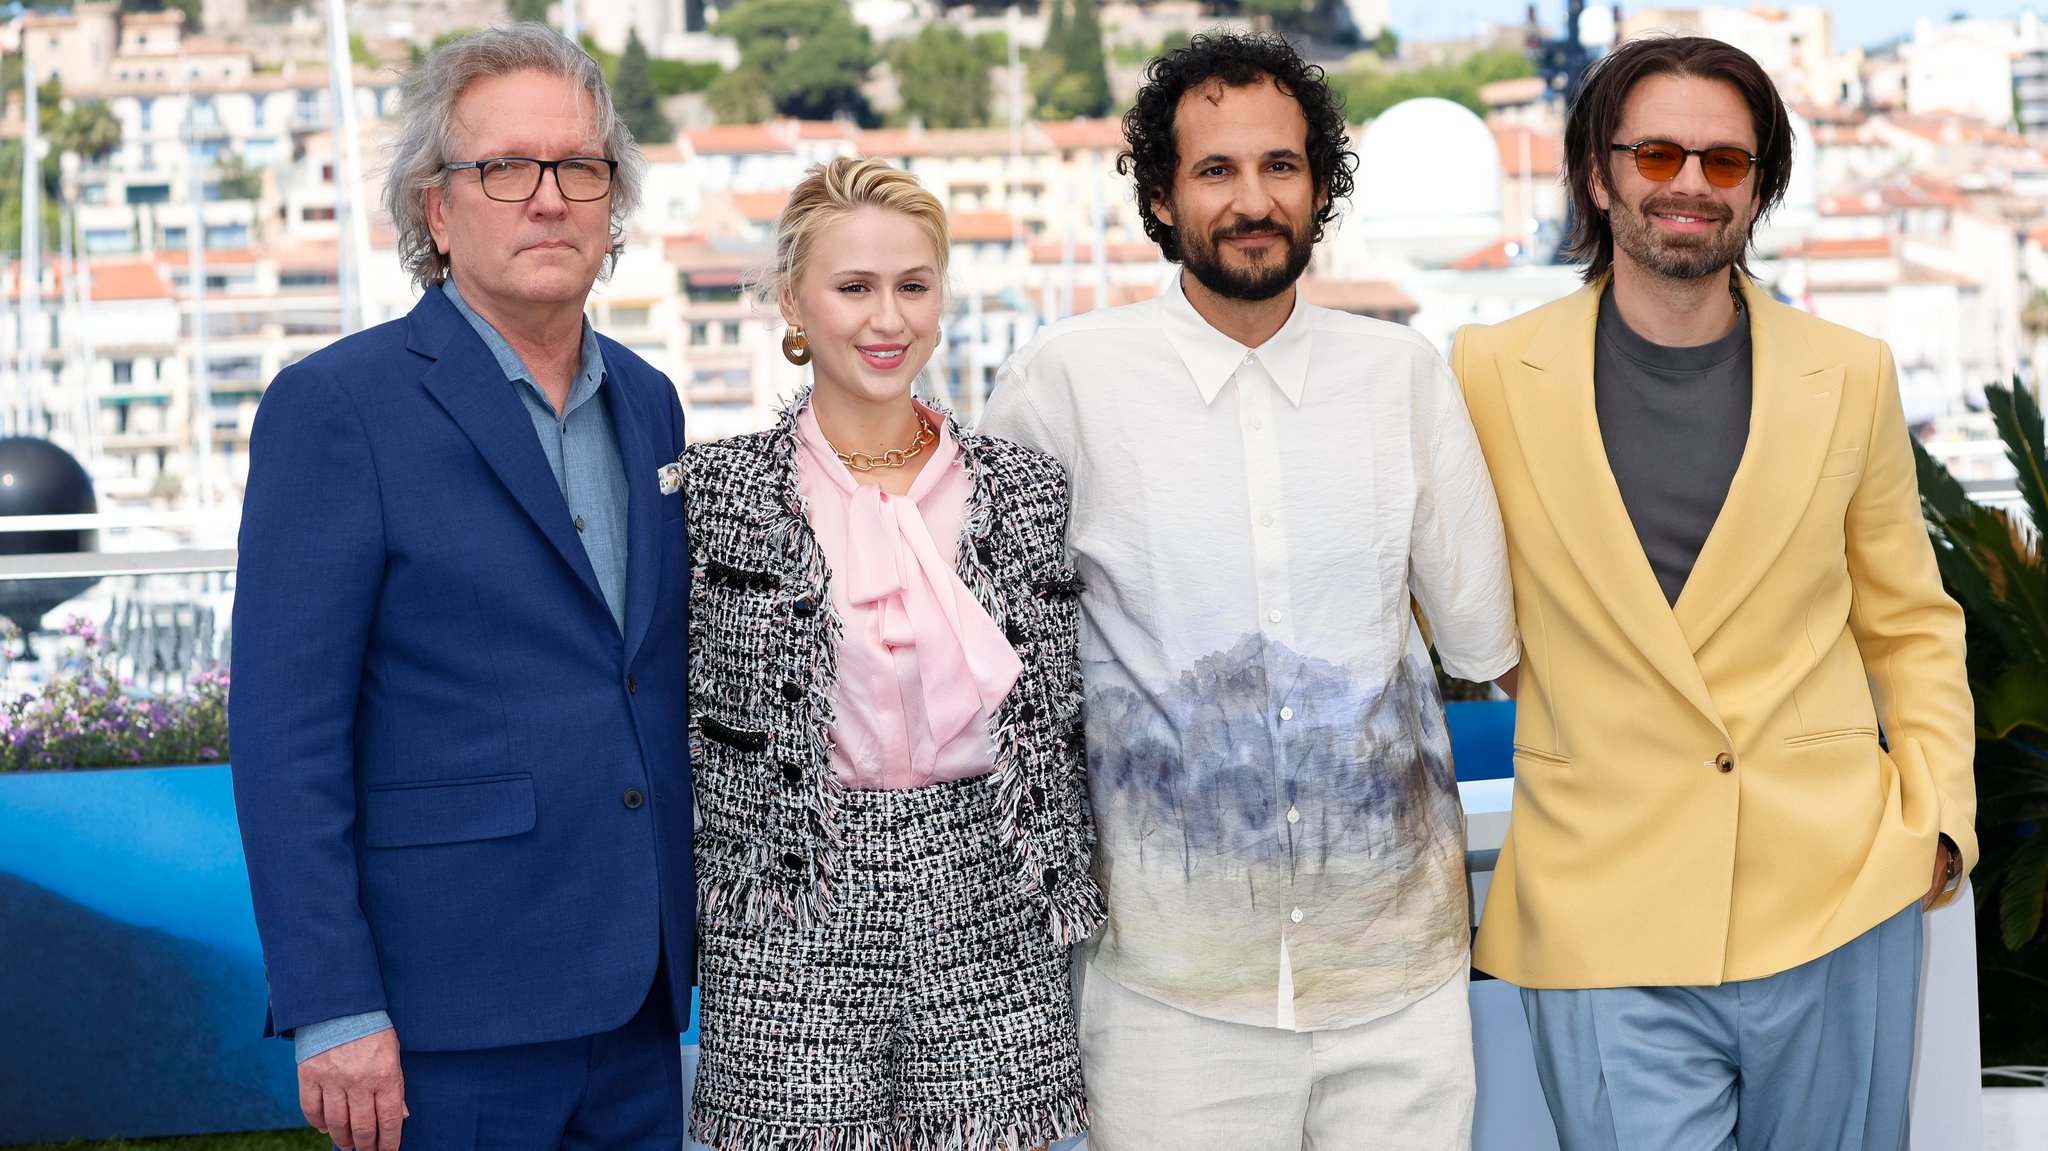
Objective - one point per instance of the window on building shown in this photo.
(630, 317)
(318, 212)
(149, 193)
(101, 241)
(308, 278)
(227, 235)
(257, 107)
(730, 337)
(700, 333)
(176, 238)
(124, 371)
(145, 110)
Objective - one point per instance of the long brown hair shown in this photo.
(1597, 114)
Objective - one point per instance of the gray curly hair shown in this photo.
(426, 135)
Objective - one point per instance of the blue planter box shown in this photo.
(1482, 738)
(131, 981)
(131, 984)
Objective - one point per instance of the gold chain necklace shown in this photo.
(894, 457)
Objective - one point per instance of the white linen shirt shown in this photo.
(1280, 837)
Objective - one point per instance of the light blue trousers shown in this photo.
(1818, 1058)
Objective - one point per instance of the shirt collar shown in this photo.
(590, 359)
(1212, 358)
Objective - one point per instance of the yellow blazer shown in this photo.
(1699, 791)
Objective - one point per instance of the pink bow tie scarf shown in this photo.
(897, 579)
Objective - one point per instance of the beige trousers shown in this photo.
(1162, 1079)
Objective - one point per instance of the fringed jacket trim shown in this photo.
(764, 655)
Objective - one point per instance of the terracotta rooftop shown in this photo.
(891, 142)
(737, 138)
(982, 227)
(1117, 296)
(1049, 252)
(1862, 248)
(663, 153)
(1099, 135)
(1546, 150)
(1492, 256)
(760, 207)
(1362, 297)
(1852, 204)
(127, 280)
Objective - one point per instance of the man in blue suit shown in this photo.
(459, 724)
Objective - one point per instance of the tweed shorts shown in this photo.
(932, 1012)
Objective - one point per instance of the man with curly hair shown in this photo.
(1261, 488)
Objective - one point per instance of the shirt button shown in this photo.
(1250, 357)
(1296, 916)
(1286, 713)
(633, 799)
(1257, 424)
(1266, 521)
(1274, 615)
(579, 523)
(1293, 815)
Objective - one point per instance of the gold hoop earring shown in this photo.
(795, 348)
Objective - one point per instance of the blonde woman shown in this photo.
(892, 856)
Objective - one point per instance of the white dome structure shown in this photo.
(1428, 185)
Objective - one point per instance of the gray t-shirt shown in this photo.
(1675, 421)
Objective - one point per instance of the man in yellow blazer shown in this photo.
(1744, 736)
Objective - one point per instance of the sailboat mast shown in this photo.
(354, 240)
(30, 418)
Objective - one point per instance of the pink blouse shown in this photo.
(921, 666)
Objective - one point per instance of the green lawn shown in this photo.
(302, 1139)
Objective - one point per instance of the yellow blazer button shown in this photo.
(1725, 762)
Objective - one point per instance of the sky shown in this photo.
(1857, 22)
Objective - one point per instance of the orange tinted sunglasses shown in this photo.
(1661, 160)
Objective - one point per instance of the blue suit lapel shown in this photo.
(466, 382)
(638, 455)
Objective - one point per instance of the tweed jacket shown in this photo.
(763, 659)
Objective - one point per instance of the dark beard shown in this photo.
(1677, 257)
(1265, 279)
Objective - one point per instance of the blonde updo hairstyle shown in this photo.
(829, 194)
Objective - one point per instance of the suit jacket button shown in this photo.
(632, 686)
(986, 554)
(792, 692)
(1725, 762)
(802, 608)
(1013, 633)
(633, 799)
(791, 773)
(1027, 712)
(1050, 879)
(793, 861)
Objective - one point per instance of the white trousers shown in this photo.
(1162, 1079)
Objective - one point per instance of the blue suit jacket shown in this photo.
(464, 796)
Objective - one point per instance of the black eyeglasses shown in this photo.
(514, 179)
(1662, 160)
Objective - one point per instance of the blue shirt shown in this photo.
(583, 452)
